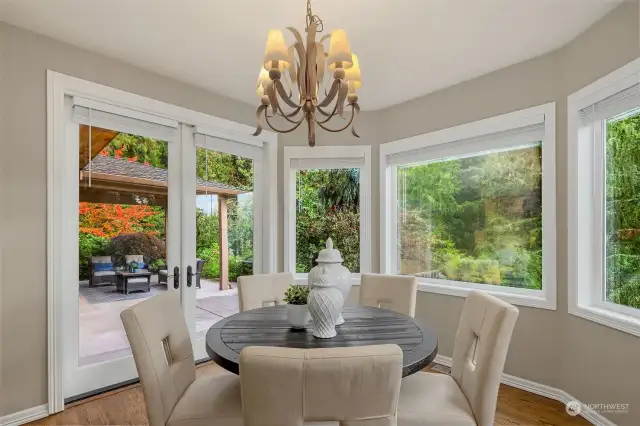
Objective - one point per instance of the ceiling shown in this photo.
(407, 48)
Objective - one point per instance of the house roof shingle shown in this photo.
(123, 167)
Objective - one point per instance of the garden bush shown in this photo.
(149, 246)
(89, 245)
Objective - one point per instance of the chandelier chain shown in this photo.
(311, 18)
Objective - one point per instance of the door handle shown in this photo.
(190, 275)
(176, 277)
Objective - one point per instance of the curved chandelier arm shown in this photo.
(323, 112)
(259, 120)
(356, 110)
(287, 116)
(283, 94)
(329, 116)
(279, 130)
(353, 116)
(332, 94)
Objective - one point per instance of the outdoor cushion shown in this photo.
(137, 280)
(101, 267)
(103, 273)
(101, 259)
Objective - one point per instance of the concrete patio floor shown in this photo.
(102, 336)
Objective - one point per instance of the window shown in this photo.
(604, 171)
(327, 194)
(470, 208)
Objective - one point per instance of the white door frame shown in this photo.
(59, 86)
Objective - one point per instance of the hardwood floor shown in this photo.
(125, 406)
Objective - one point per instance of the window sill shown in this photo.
(619, 321)
(529, 298)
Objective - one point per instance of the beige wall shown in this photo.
(593, 363)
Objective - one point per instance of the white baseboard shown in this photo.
(25, 416)
(587, 413)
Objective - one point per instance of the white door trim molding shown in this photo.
(587, 413)
(61, 85)
(25, 416)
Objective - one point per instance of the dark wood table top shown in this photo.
(363, 326)
(133, 274)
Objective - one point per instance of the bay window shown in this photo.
(604, 188)
(327, 194)
(470, 208)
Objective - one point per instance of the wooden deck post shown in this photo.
(223, 239)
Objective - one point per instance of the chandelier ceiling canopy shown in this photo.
(294, 76)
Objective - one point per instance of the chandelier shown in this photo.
(305, 68)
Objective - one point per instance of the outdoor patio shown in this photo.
(102, 335)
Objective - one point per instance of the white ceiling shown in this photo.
(407, 48)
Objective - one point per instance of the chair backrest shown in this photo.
(133, 258)
(353, 386)
(256, 291)
(481, 345)
(159, 339)
(394, 292)
(100, 259)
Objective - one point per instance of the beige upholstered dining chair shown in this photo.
(394, 292)
(469, 395)
(257, 291)
(355, 386)
(161, 347)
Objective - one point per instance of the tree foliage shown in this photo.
(475, 219)
(622, 213)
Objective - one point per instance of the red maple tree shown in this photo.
(109, 220)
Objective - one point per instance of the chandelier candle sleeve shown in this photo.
(294, 76)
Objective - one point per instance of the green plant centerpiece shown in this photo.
(297, 309)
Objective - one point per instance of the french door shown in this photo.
(142, 195)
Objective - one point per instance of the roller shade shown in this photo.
(236, 148)
(111, 117)
(499, 141)
(614, 105)
(326, 163)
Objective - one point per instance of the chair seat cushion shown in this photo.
(210, 400)
(137, 280)
(103, 273)
(433, 399)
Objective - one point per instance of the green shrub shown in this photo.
(627, 293)
(211, 256)
(89, 245)
(150, 247)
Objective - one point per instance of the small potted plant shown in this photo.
(297, 309)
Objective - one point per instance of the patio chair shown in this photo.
(101, 271)
(138, 258)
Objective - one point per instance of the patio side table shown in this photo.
(133, 281)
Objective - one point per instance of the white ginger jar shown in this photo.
(336, 273)
(325, 304)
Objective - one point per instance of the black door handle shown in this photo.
(190, 275)
(176, 277)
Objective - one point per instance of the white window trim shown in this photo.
(585, 217)
(59, 88)
(545, 298)
(326, 152)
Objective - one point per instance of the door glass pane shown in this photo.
(327, 205)
(622, 210)
(474, 219)
(122, 227)
(224, 233)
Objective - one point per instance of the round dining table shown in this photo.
(363, 326)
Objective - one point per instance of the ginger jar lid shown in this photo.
(329, 254)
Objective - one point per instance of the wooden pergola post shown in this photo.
(223, 239)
